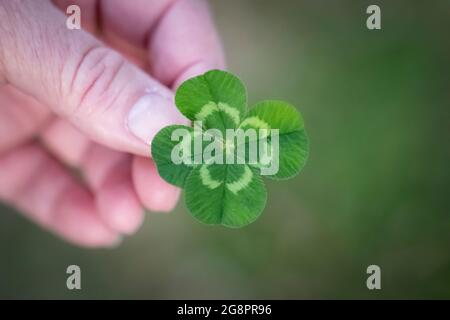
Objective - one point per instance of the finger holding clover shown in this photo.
(93, 100)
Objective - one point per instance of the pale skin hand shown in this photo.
(76, 95)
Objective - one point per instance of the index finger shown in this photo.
(179, 36)
(184, 43)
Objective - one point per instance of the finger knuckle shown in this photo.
(93, 79)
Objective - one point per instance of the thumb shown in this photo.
(108, 98)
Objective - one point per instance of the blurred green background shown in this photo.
(375, 190)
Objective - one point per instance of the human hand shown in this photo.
(92, 109)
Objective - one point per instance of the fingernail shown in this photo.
(165, 199)
(126, 222)
(151, 113)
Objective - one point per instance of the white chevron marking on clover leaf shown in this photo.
(207, 180)
(243, 181)
(206, 111)
(255, 122)
(212, 107)
(232, 112)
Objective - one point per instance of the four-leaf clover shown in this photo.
(232, 195)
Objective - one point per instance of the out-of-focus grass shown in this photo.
(374, 191)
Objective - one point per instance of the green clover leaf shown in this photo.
(220, 161)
